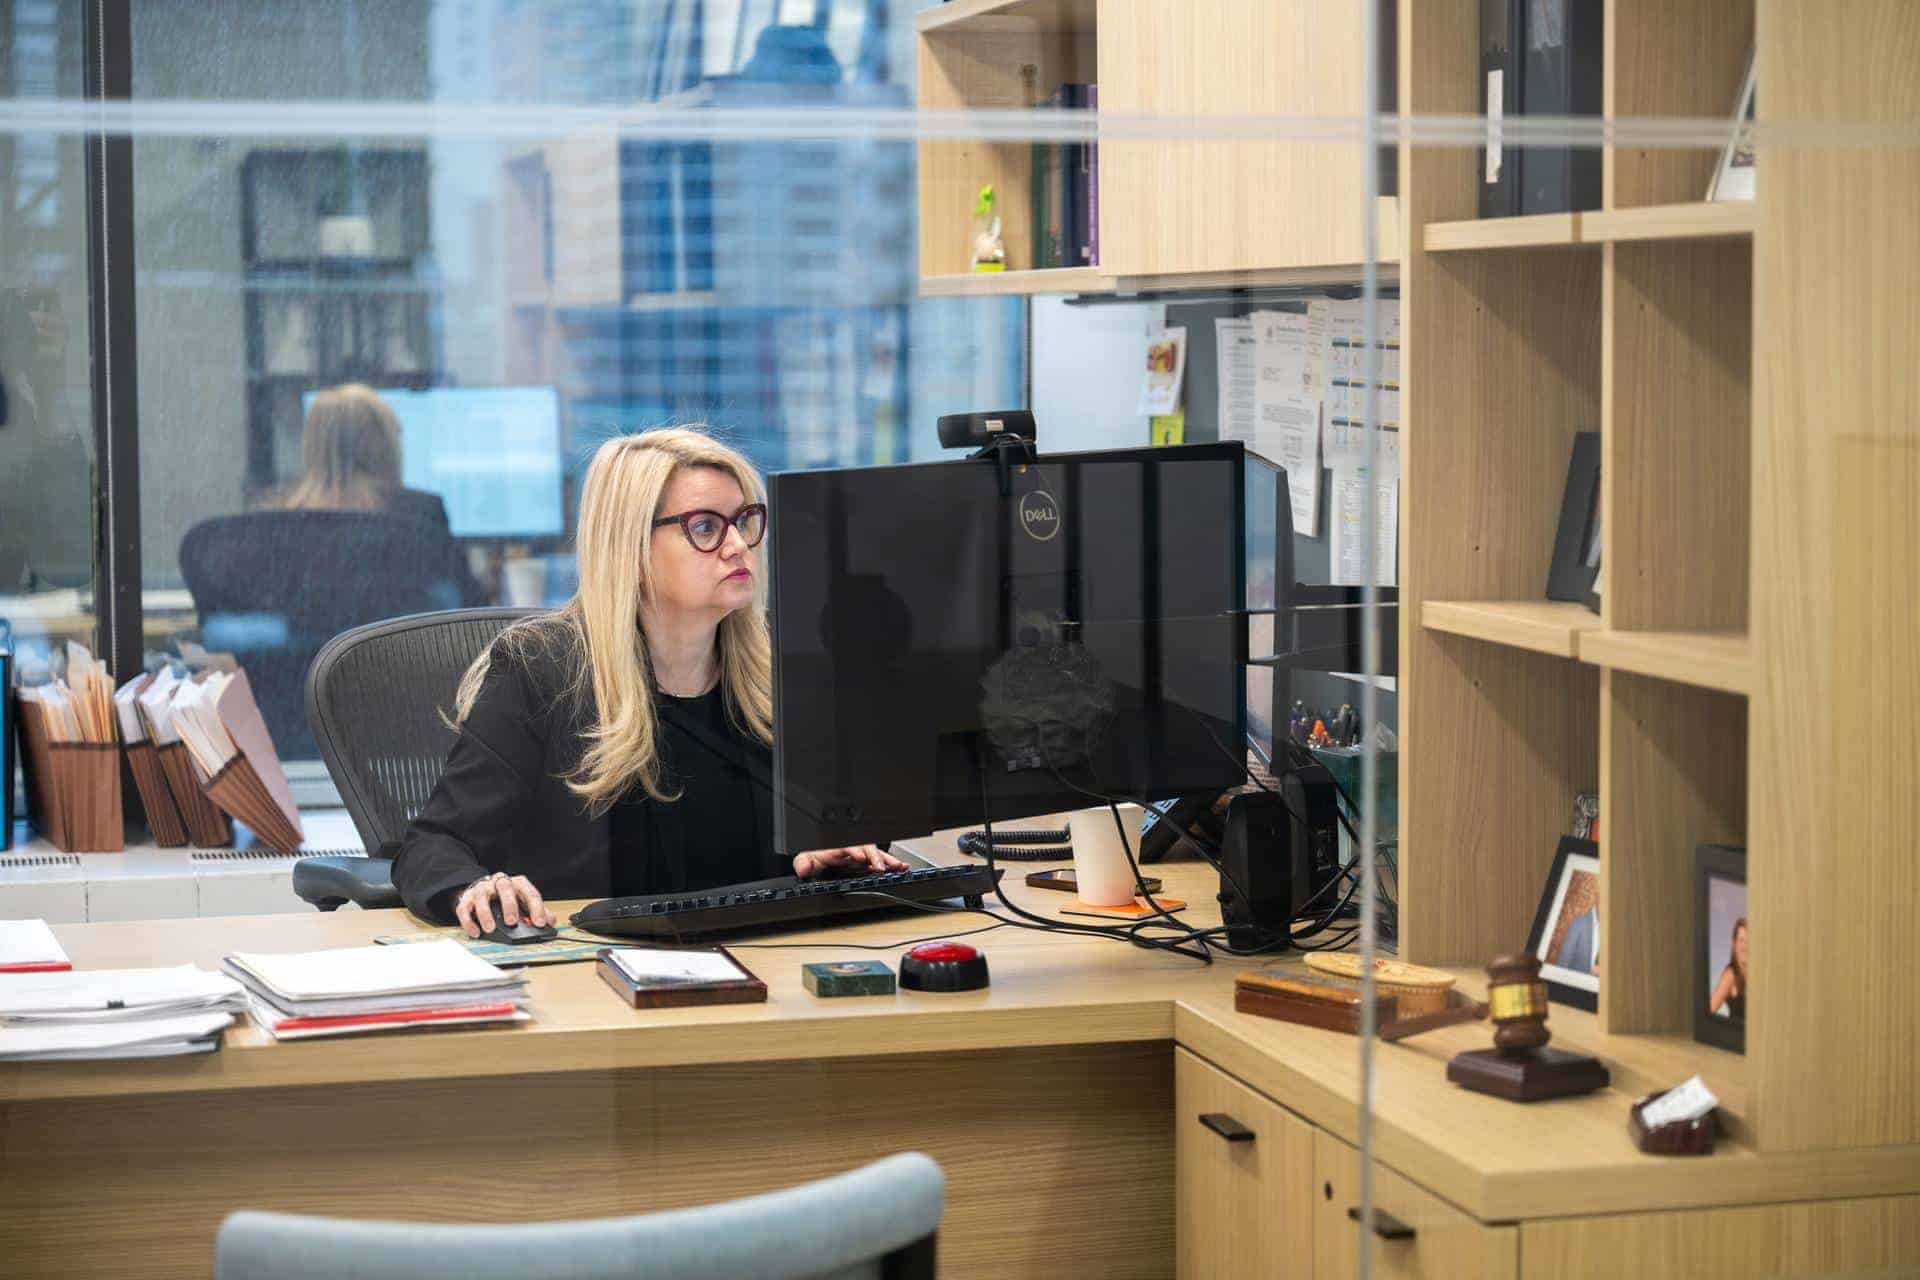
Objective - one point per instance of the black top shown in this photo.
(503, 803)
(710, 834)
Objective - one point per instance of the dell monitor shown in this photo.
(965, 639)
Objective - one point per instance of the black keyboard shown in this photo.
(782, 903)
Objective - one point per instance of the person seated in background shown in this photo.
(350, 460)
(622, 745)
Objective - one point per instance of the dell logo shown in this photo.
(1039, 515)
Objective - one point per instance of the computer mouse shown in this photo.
(516, 934)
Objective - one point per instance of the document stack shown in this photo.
(234, 758)
(206, 826)
(356, 989)
(143, 761)
(114, 1013)
(72, 757)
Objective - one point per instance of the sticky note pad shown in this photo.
(847, 978)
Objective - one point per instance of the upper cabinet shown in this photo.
(1248, 198)
(1225, 192)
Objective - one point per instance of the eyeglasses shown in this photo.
(706, 530)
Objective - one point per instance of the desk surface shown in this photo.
(1495, 1159)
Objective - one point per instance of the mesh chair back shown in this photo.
(375, 695)
(271, 587)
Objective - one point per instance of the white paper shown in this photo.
(127, 707)
(108, 1039)
(646, 964)
(1164, 368)
(1347, 362)
(1683, 1103)
(1347, 459)
(156, 705)
(443, 965)
(1287, 404)
(27, 942)
(1239, 375)
(107, 995)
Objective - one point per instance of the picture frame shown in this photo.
(1733, 176)
(1566, 926)
(1719, 946)
(1575, 567)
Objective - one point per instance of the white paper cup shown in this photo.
(1101, 873)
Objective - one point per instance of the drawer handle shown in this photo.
(1385, 1225)
(1227, 1127)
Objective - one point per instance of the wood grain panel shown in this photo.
(1836, 710)
(1674, 472)
(1720, 660)
(1241, 1209)
(1057, 1161)
(1692, 221)
(1502, 353)
(1544, 626)
(1666, 59)
(1673, 775)
(1842, 1237)
(1446, 1242)
(1205, 206)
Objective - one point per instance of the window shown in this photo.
(512, 297)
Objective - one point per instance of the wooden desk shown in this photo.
(1048, 1098)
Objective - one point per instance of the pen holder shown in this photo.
(207, 827)
(1682, 1138)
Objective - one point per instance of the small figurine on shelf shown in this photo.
(989, 249)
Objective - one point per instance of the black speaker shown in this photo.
(1256, 872)
(1314, 847)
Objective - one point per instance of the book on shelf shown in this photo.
(1064, 196)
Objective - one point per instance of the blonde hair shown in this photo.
(601, 623)
(349, 454)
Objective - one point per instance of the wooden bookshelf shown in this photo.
(985, 284)
(1720, 660)
(1543, 626)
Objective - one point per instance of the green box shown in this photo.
(848, 978)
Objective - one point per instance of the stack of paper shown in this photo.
(330, 993)
(28, 946)
(115, 1013)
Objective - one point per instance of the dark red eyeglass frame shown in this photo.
(733, 521)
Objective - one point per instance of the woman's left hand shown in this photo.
(855, 860)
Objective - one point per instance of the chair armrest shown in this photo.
(330, 881)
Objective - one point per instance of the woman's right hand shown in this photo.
(500, 897)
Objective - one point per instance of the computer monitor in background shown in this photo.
(1082, 628)
(493, 454)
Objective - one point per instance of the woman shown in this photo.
(1730, 991)
(621, 745)
(350, 460)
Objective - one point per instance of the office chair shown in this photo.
(873, 1223)
(375, 695)
(271, 587)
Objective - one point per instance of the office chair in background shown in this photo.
(873, 1223)
(272, 587)
(374, 697)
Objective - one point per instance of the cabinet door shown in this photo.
(1243, 1176)
(1444, 1242)
(1184, 205)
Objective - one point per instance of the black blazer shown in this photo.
(503, 804)
(418, 504)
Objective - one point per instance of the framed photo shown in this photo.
(1720, 946)
(1733, 178)
(1566, 927)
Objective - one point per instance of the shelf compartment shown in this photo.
(1533, 231)
(1699, 221)
(986, 284)
(1544, 626)
(957, 17)
(1720, 660)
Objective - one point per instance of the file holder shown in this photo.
(73, 788)
(238, 790)
(207, 827)
(164, 820)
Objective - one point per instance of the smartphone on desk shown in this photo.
(1062, 879)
